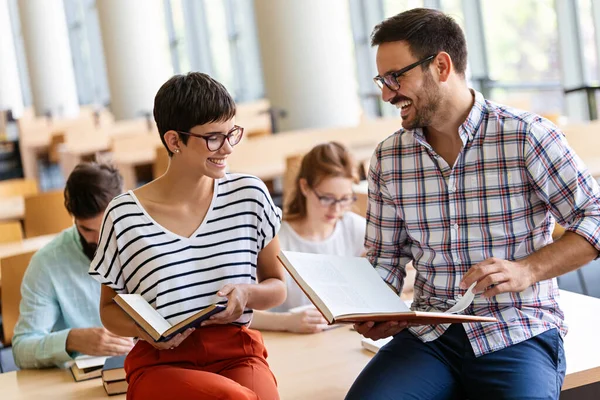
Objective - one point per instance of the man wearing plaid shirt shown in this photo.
(469, 190)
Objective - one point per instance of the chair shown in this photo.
(12, 270)
(161, 162)
(45, 213)
(18, 187)
(57, 139)
(292, 167)
(10, 232)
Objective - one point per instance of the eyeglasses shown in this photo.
(215, 141)
(328, 201)
(391, 78)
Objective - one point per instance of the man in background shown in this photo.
(59, 312)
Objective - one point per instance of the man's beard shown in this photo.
(431, 101)
(89, 249)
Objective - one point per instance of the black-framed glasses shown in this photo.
(391, 78)
(214, 141)
(328, 201)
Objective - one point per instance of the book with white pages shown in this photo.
(375, 345)
(153, 323)
(349, 290)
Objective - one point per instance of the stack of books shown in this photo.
(113, 376)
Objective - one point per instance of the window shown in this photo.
(521, 38)
(86, 50)
(217, 37)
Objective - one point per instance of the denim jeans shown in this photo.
(407, 368)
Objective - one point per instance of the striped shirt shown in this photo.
(514, 176)
(177, 275)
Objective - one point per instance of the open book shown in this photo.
(349, 290)
(153, 323)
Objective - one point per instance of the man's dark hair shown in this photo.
(185, 101)
(90, 187)
(427, 32)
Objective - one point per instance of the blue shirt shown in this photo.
(57, 295)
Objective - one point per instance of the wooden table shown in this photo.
(25, 245)
(12, 208)
(323, 366)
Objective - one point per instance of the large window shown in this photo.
(86, 49)
(217, 37)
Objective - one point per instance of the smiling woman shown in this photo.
(194, 237)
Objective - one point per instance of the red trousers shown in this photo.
(214, 362)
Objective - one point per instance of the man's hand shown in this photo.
(168, 345)
(495, 276)
(308, 320)
(97, 342)
(380, 330)
(237, 297)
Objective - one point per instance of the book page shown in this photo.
(84, 362)
(145, 310)
(347, 285)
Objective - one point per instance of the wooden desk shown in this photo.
(12, 208)
(50, 384)
(25, 245)
(581, 343)
(324, 366)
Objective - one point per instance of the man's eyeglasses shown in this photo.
(328, 201)
(215, 141)
(391, 78)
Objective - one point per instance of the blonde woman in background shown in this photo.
(317, 220)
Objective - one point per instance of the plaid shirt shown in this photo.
(514, 176)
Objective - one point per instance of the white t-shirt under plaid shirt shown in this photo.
(177, 275)
(514, 176)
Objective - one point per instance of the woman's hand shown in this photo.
(237, 298)
(305, 320)
(168, 345)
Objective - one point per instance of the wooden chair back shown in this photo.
(56, 140)
(360, 207)
(18, 187)
(12, 270)
(292, 168)
(45, 213)
(10, 231)
(161, 162)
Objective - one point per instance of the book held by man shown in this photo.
(349, 290)
(153, 323)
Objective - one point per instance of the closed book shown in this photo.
(115, 387)
(87, 367)
(153, 323)
(114, 369)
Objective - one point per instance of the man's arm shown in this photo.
(387, 246)
(34, 344)
(386, 239)
(560, 179)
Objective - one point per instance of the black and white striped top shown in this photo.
(177, 275)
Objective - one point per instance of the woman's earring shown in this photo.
(177, 151)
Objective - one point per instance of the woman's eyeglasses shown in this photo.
(215, 141)
(328, 201)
